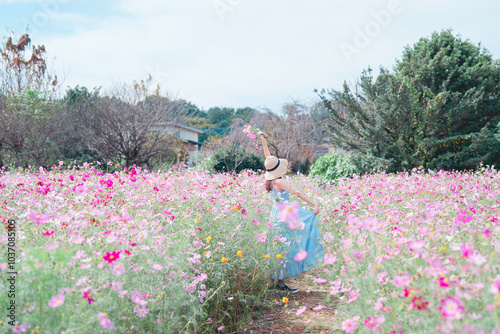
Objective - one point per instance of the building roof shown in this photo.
(185, 127)
(192, 141)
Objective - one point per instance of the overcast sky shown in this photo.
(236, 53)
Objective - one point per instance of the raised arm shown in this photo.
(264, 145)
(285, 185)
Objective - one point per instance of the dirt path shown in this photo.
(283, 319)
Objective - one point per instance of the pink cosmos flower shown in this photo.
(383, 278)
(374, 323)
(495, 286)
(319, 307)
(19, 328)
(349, 325)
(463, 217)
(3, 266)
(38, 218)
(379, 320)
(353, 295)
(300, 256)
(301, 310)
(378, 304)
(329, 258)
(369, 323)
(452, 308)
(157, 267)
(56, 301)
(104, 320)
(370, 224)
(289, 212)
(81, 189)
(403, 280)
(261, 237)
(48, 234)
(295, 225)
(359, 255)
(137, 298)
(416, 245)
(141, 311)
(118, 269)
(467, 250)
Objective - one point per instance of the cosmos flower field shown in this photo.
(136, 251)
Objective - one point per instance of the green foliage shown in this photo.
(439, 108)
(233, 158)
(203, 124)
(332, 166)
(220, 117)
(30, 126)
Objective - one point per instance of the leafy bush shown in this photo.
(368, 163)
(233, 158)
(332, 166)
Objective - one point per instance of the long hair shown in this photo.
(269, 185)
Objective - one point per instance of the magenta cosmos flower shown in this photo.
(111, 257)
(467, 250)
(56, 301)
(38, 218)
(452, 308)
(104, 320)
(87, 296)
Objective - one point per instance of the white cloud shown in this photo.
(261, 53)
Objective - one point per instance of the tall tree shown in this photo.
(439, 107)
(30, 119)
(131, 125)
(24, 69)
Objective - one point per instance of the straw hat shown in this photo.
(275, 167)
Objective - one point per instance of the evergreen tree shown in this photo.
(440, 108)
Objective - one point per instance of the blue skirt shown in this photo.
(287, 243)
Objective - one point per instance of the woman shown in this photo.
(287, 242)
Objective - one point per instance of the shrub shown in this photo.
(233, 158)
(332, 166)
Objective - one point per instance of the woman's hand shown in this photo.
(264, 135)
(316, 209)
